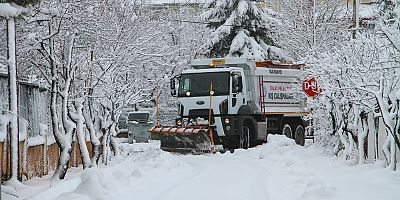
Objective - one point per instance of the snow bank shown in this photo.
(280, 140)
(318, 189)
(276, 170)
(4, 121)
(116, 181)
(93, 185)
(11, 10)
(22, 129)
(368, 11)
(8, 193)
(37, 140)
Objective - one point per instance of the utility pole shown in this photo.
(314, 22)
(13, 96)
(13, 85)
(356, 18)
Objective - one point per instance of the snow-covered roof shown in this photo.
(368, 11)
(11, 10)
(224, 61)
(139, 112)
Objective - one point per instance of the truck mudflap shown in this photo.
(190, 139)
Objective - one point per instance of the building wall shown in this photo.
(33, 104)
(3, 93)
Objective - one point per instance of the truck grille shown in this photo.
(200, 113)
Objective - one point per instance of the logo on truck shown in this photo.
(280, 93)
(275, 71)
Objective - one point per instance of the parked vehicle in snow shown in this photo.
(234, 102)
(138, 126)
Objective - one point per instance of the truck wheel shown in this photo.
(287, 131)
(244, 142)
(299, 135)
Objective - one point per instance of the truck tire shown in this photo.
(244, 141)
(286, 130)
(299, 135)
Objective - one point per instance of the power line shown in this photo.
(209, 23)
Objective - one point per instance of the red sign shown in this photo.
(310, 86)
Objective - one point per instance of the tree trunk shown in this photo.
(93, 138)
(62, 162)
(114, 142)
(361, 138)
(79, 120)
(106, 147)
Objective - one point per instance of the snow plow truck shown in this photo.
(234, 102)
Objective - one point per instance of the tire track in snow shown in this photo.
(220, 177)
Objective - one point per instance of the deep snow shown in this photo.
(278, 170)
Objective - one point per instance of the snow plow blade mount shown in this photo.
(192, 139)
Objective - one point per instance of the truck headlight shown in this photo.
(179, 122)
(227, 121)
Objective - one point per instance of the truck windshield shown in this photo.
(198, 84)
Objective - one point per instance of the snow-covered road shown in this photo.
(279, 170)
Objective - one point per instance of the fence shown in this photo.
(37, 160)
(38, 154)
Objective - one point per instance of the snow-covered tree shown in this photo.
(240, 29)
(312, 26)
(359, 76)
(23, 2)
(361, 82)
(389, 21)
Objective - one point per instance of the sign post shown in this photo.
(310, 86)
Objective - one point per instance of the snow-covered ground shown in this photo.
(278, 170)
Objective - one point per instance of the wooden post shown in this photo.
(156, 110)
(355, 17)
(209, 117)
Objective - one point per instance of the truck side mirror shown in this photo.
(172, 84)
(237, 85)
(235, 82)
(172, 87)
(240, 84)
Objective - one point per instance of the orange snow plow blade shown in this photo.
(190, 139)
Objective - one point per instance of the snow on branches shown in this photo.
(97, 58)
(361, 80)
(311, 26)
(240, 29)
